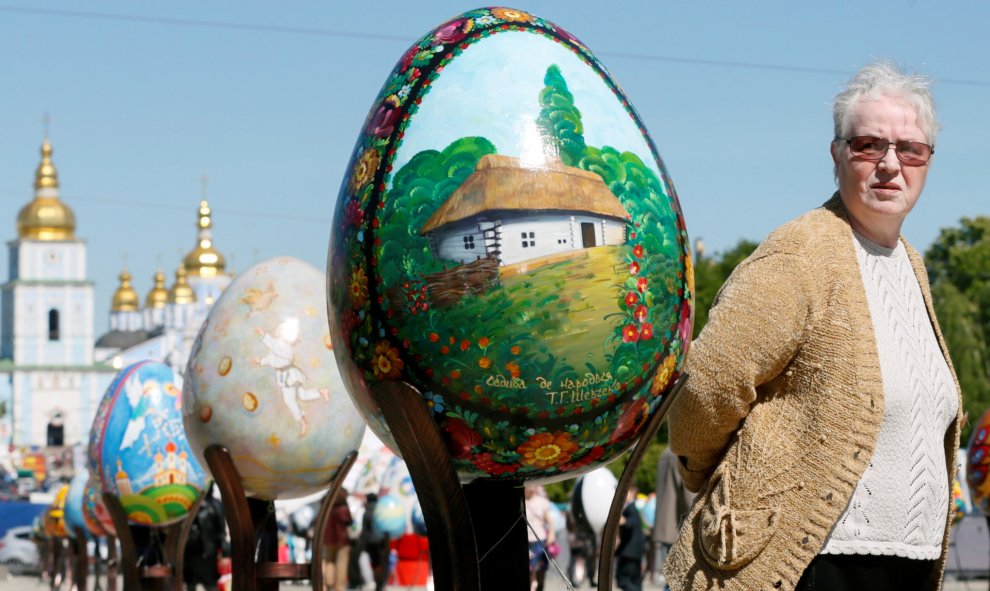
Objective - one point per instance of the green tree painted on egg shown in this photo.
(560, 119)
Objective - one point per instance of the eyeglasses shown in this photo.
(875, 149)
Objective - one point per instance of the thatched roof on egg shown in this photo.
(501, 183)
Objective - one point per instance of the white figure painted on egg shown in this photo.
(290, 379)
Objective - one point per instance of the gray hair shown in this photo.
(884, 78)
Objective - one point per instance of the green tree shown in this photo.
(560, 119)
(959, 270)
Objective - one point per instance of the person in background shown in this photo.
(673, 501)
(375, 543)
(337, 544)
(540, 534)
(820, 419)
(631, 547)
(205, 542)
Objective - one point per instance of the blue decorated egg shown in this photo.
(396, 482)
(508, 242)
(138, 446)
(390, 516)
(262, 381)
(74, 510)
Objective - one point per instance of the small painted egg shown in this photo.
(138, 446)
(54, 519)
(390, 517)
(74, 510)
(262, 382)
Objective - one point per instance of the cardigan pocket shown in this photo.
(729, 537)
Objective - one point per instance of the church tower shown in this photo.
(125, 310)
(47, 300)
(155, 303)
(204, 265)
(51, 383)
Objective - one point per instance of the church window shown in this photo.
(56, 431)
(53, 333)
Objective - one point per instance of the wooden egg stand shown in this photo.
(80, 562)
(80, 557)
(254, 534)
(485, 516)
(157, 577)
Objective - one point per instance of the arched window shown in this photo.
(53, 325)
(56, 430)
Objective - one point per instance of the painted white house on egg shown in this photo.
(516, 214)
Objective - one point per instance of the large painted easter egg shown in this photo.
(508, 242)
(138, 447)
(262, 381)
(978, 464)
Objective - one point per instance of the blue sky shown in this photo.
(267, 100)
(493, 91)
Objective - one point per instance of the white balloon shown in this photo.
(596, 494)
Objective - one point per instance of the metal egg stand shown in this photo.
(461, 520)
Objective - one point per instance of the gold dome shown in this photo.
(181, 292)
(204, 260)
(125, 299)
(46, 217)
(158, 296)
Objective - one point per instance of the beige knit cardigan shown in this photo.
(781, 410)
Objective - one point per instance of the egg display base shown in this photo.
(254, 533)
(164, 574)
(477, 532)
(110, 566)
(498, 513)
(449, 525)
(80, 558)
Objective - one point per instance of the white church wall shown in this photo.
(59, 260)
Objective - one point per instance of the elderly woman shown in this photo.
(820, 421)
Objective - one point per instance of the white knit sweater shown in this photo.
(899, 506)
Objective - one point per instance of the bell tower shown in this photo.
(47, 312)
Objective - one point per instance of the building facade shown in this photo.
(53, 369)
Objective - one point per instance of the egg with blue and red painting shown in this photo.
(138, 449)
